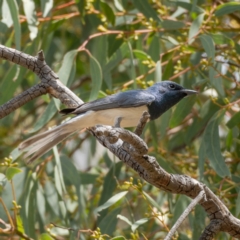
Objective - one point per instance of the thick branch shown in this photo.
(49, 81)
(21, 99)
(148, 168)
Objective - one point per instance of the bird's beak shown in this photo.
(189, 92)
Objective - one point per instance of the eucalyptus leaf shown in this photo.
(13, 6)
(96, 75)
(65, 71)
(227, 8)
(212, 146)
(11, 172)
(208, 45)
(111, 201)
(147, 10)
(30, 12)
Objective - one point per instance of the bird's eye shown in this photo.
(171, 86)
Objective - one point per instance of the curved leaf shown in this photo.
(147, 10)
(11, 172)
(227, 8)
(111, 201)
(65, 71)
(96, 74)
(208, 45)
(16, 24)
(29, 10)
(211, 143)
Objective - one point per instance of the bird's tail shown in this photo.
(43, 142)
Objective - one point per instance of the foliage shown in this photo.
(99, 47)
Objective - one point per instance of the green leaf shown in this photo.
(109, 223)
(154, 49)
(88, 178)
(138, 223)
(51, 197)
(181, 204)
(81, 4)
(152, 202)
(216, 80)
(118, 5)
(107, 10)
(234, 121)
(189, 6)
(172, 25)
(198, 221)
(16, 23)
(141, 55)
(46, 116)
(147, 10)
(201, 160)
(125, 219)
(158, 72)
(58, 174)
(41, 204)
(110, 184)
(111, 201)
(182, 110)
(238, 204)
(45, 236)
(71, 174)
(229, 139)
(46, 7)
(220, 38)
(119, 238)
(20, 224)
(113, 44)
(208, 45)
(11, 172)
(227, 8)
(29, 10)
(196, 24)
(96, 75)
(64, 72)
(212, 145)
(69, 171)
(8, 84)
(6, 15)
(3, 179)
(168, 71)
(31, 209)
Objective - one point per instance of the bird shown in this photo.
(123, 109)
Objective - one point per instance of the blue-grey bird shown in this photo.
(124, 108)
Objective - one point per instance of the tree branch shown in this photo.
(49, 81)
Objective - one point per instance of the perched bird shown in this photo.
(124, 108)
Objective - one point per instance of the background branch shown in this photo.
(49, 81)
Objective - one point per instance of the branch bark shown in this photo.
(49, 81)
(127, 146)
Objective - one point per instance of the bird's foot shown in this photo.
(117, 122)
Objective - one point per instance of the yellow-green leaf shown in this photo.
(11, 172)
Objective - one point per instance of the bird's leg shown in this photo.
(117, 122)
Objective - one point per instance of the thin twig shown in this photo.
(184, 215)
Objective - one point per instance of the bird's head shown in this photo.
(167, 94)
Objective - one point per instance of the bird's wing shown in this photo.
(132, 98)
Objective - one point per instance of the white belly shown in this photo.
(129, 118)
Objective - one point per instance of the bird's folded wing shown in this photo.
(132, 98)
